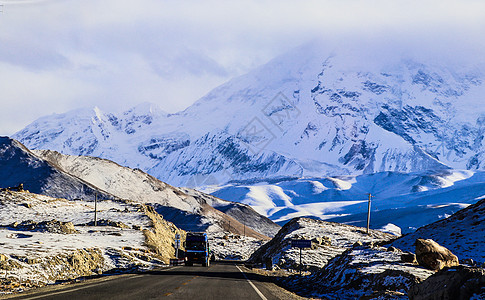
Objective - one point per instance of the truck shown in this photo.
(197, 249)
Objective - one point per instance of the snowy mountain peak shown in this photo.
(145, 109)
(314, 111)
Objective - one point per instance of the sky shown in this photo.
(59, 55)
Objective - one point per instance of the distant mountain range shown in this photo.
(310, 112)
(57, 175)
(408, 200)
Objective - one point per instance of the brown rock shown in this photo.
(458, 283)
(408, 258)
(431, 255)
(67, 227)
(28, 205)
(323, 240)
(3, 257)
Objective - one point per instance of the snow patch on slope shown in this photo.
(407, 200)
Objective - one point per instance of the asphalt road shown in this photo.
(219, 281)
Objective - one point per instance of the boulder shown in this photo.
(323, 240)
(458, 283)
(408, 257)
(55, 226)
(431, 255)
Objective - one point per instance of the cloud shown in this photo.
(32, 57)
(63, 54)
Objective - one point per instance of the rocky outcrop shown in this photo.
(408, 257)
(460, 232)
(160, 239)
(52, 226)
(19, 188)
(457, 283)
(107, 222)
(360, 273)
(328, 240)
(431, 255)
(65, 266)
(84, 262)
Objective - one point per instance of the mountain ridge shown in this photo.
(78, 177)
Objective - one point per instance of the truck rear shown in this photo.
(197, 249)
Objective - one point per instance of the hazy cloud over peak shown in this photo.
(57, 55)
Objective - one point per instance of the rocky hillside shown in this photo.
(46, 239)
(19, 165)
(329, 240)
(343, 262)
(462, 233)
(189, 209)
(73, 177)
(333, 111)
(244, 213)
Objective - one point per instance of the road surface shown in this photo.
(219, 281)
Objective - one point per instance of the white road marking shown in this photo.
(86, 286)
(252, 284)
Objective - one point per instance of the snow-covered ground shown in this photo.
(408, 200)
(462, 233)
(329, 240)
(343, 263)
(233, 247)
(363, 271)
(36, 255)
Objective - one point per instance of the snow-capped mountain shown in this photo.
(310, 112)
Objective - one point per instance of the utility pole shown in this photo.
(95, 209)
(300, 261)
(368, 213)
